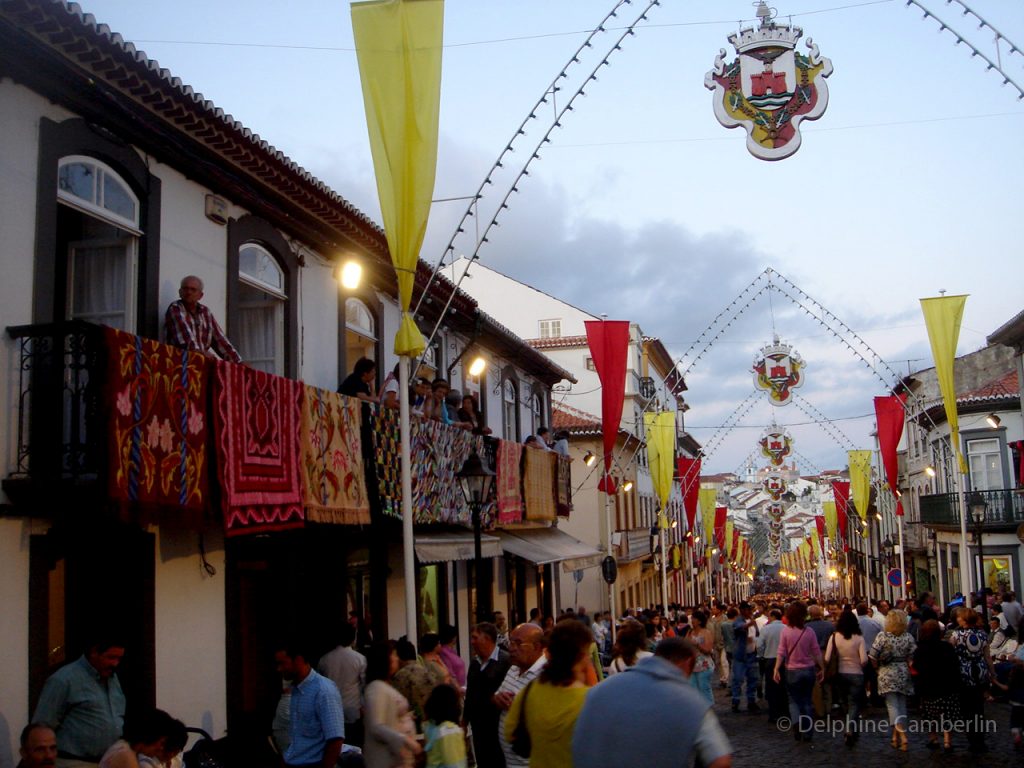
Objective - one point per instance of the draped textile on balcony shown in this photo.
(539, 484)
(563, 485)
(437, 453)
(334, 480)
(509, 482)
(156, 424)
(257, 417)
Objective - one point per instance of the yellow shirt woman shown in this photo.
(551, 712)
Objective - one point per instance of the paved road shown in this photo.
(759, 744)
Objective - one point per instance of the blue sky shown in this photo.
(643, 206)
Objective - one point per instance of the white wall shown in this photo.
(191, 677)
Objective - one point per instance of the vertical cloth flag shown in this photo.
(398, 45)
(609, 349)
(729, 551)
(860, 481)
(890, 416)
(831, 519)
(841, 494)
(819, 523)
(660, 429)
(689, 479)
(942, 316)
(708, 497)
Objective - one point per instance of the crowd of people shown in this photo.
(589, 691)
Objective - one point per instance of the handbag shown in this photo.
(832, 665)
(521, 743)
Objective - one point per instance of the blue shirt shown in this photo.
(316, 718)
(85, 710)
(741, 633)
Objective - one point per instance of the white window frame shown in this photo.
(95, 207)
(509, 410)
(977, 448)
(131, 279)
(256, 282)
(550, 328)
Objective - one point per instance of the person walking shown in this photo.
(936, 675)
(390, 729)
(890, 655)
(486, 673)
(767, 653)
(744, 658)
(550, 704)
(651, 717)
(728, 643)
(630, 646)
(316, 724)
(346, 668)
(801, 656)
(848, 643)
(970, 642)
(444, 740)
(526, 652)
(703, 665)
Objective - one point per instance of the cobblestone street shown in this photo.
(757, 743)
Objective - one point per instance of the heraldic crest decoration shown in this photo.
(769, 88)
(778, 370)
(776, 444)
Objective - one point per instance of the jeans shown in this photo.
(702, 682)
(896, 704)
(745, 669)
(800, 686)
(851, 687)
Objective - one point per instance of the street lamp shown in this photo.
(475, 479)
(979, 507)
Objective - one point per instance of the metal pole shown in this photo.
(939, 572)
(664, 566)
(966, 574)
(477, 561)
(903, 562)
(408, 541)
(608, 526)
(981, 574)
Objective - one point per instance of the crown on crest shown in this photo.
(779, 347)
(766, 36)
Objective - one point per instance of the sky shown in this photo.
(644, 208)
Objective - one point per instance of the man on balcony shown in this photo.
(191, 325)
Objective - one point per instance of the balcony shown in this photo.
(1005, 509)
(58, 433)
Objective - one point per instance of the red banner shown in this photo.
(609, 349)
(841, 493)
(890, 416)
(689, 482)
(720, 514)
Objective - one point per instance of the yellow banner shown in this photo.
(831, 519)
(942, 316)
(660, 429)
(706, 498)
(728, 540)
(860, 481)
(398, 45)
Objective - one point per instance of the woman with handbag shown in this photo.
(845, 657)
(970, 642)
(890, 654)
(799, 651)
(542, 717)
(701, 636)
(936, 673)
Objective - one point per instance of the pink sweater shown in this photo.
(799, 648)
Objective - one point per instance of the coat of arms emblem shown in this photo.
(769, 88)
(776, 445)
(778, 369)
(774, 485)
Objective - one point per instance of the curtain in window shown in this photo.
(260, 334)
(99, 289)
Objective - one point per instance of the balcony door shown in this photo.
(985, 464)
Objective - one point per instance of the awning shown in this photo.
(550, 545)
(449, 546)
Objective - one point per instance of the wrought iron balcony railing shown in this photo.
(58, 431)
(1005, 509)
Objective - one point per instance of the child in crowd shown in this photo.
(445, 743)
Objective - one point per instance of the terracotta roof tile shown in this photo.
(1003, 386)
(574, 420)
(556, 342)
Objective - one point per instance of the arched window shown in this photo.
(360, 332)
(261, 309)
(509, 410)
(98, 219)
(536, 411)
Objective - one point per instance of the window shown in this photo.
(588, 363)
(360, 332)
(261, 303)
(551, 329)
(536, 412)
(98, 221)
(984, 464)
(509, 410)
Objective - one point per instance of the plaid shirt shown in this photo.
(199, 332)
(316, 718)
